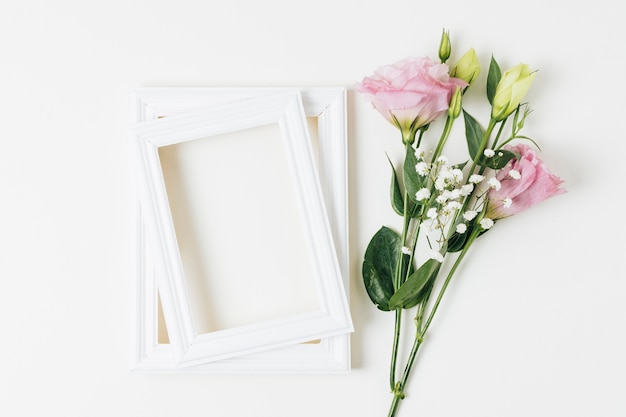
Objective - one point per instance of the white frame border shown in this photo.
(332, 354)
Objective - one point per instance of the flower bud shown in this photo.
(455, 103)
(444, 47)
(510, 91)
(467, 68)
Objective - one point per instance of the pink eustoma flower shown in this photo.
(410, 93)
(524, 182)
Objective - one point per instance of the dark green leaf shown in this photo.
(493, 78)
(412, 181)
(379, 266)
(473, 133)
(499, 160)
(457, 241)
(397, 200)
(416, 286)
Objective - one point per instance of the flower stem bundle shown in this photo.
(445, 206)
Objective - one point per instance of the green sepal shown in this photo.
(412, 181)
(473, 134)
(417, 285)
(397, 199)
(493, 78)
(380, 265)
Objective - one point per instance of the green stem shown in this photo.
(483, 146)
(394, 352)
(397, 282)
(457, 262)
(398, 392)
(444, 137)
(481, 149)
(398, 389)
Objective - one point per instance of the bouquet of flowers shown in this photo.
(446, 206)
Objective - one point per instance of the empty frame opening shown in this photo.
(240, 234)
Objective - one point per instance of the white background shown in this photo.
(535, 322)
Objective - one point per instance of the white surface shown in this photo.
(533, 326)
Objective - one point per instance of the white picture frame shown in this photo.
(170, 108)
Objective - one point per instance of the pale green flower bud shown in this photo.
(467, 68)
(511, 90)
(455, 103)
(444, 47)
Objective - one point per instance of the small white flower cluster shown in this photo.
(443, 191)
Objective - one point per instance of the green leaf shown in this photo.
(473, 134)
(397, 200)
(493, 78)
(416, 286)
(456, 242)
(412, 181)
(379, 266)
(499, 160)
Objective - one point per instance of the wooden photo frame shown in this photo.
(164, 116)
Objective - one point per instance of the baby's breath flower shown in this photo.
(494, 183)
(419, 153)
(476, 178)
(457, 174)
(454, 194)
(443, 160)
(469, 215)
(422, 194)
(466, 189)
(440, 183)
(422, 168)
(507, 202)
(461, 228)
(431, 213)
(486, 223)
(515, 174)
(489, 153)
(452, 206)
(406, 250)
